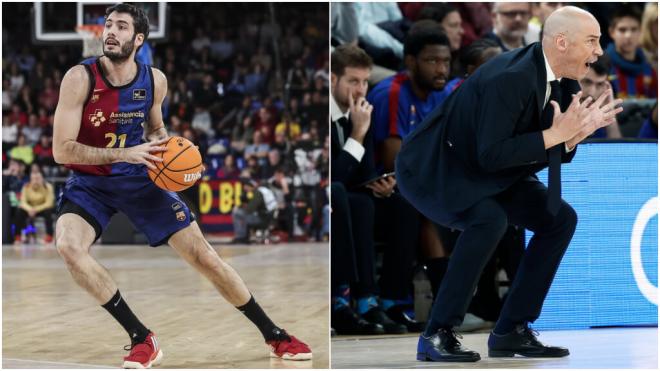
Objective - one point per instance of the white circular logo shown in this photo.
(648, 211)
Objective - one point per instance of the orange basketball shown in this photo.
(181, 166)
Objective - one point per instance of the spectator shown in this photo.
(650, 34)
(33, 130)
(43, 152)
(476, 54)
(633, 74)
(242, 134)
(477, 21)
(257, 148)
(297, 78)
(510, 24)
(17, 116)
(6, 95)
(290, 128)
(22, 151)
(228, 169)
(449, 19)
(9, 133)
(16, 80)
(593, 85)
(37, 199)
(371, 16)
(401, 101)
(274, 163)
(264, 122)
(344, 21)
(257, 210)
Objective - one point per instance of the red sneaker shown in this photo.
(48, 239)
(290, 349)
(145, 354)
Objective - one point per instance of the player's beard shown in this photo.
(123, 54)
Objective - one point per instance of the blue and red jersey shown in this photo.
(113, 116)
(632, 79)
(397, 110)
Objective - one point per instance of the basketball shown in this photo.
(181, 166)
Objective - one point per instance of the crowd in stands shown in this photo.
(250, 92)
(421, 53)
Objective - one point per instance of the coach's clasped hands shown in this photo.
(581, 119)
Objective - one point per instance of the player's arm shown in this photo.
(155, 128)
(66, 126)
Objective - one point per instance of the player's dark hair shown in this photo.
(625, 10)
(602, 65)
(421, 34)
(436, 11)
(348, 56)
(140, 18)
(471, 54)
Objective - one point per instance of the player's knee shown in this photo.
(205, 256)
(69, 249)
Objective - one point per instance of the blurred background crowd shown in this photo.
(247, 83)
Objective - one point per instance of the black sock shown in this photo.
(254, 313)
(118, 308)
(436, 269)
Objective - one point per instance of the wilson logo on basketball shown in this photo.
(188, 178)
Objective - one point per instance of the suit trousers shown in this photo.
(397, 225)
(483, 225)
(352, 226)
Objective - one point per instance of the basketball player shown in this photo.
(106, 106)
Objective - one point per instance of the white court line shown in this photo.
(56, 363)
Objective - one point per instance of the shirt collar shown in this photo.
(550, 76)
(335, 111)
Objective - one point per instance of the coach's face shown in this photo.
(119, 37)
(582, 48)
(430, 69)
(354, 82)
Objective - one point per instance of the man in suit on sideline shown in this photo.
(471, 165)
(372, 208)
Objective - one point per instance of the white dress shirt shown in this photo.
(350, 145)
(550, 76)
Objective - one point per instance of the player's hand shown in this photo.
(360, 115)
(144, 153)
(383, 187)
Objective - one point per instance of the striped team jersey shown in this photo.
(113, 116)
(397, 110)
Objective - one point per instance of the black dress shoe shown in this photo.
(522, 341)
(398, 315)
(376, 315)
(444, 347)
(346, 322)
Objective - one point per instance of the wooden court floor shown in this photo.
(595, 348)
(49, 322)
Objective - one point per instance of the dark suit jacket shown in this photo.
(485, 136)
(345, 168)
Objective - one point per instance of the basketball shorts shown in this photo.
(155, 212)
